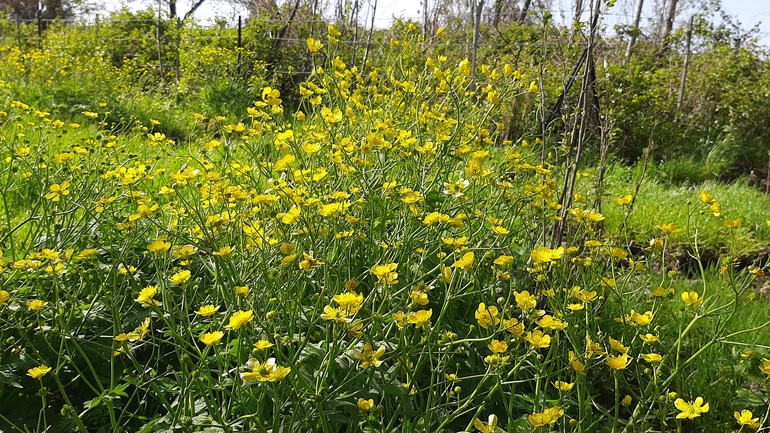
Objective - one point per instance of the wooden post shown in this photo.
(240, 44)
(177, 48)
(160, 47)
(683, 84)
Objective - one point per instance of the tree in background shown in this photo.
(33, 9)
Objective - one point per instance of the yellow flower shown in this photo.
(607, 282)
(386, 273)
(225, 252)
(350, 301)
(240, 318)
(262, 345)
(545, 418)
(487, 316)
(546, 255)
(38, 372)
(241, 291)
(309, 261)
(207, 310)
(338, 315)
(692, 299)
(369, 357)
(465, 262)
(4, 297)
(576, 365)
(365, 405)
(503, 260)
(668, 229)
(489, 427)
(652, 358)
(563, 386)
(513, 326)
(584, 295)
(619, 362)
(549, 323)
(765, 367)
(618, 253)
(146, 297)
(538, 340)
(314, 45)
(420, 318)
(649, 338)
(159, 246)
(745, 418)
(212, 338)
(626, 401)
(622, 201)
(271, 96)
(733, 224)
(498, 346)
(691, 410)
(184, 252)
(618, 346)
(36, 304)
(706, 198)
(637, 319)
(87, 254)
(525, 301)
(333, 31)
(57, 191)
(267, 372)
(180, 277)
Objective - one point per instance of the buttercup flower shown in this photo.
(369, 357)
(691, 410)
(207, 310)
(38, 372)
(487, 316)
(240, 318)
(420, 318)
(212, 338)
(489, 427)
(365, 405)
(745, 418)
(36, 304)
(264, 372)
(180, 277)
(619, 362)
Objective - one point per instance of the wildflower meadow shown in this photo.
(380, 255)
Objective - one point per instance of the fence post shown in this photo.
(240, 45)
(160, 50)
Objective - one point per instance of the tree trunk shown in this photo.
(524, 10)
(498, 12)
(634, 31)
(669, 21)
(479, 5)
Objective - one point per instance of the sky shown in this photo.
(748, 12)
